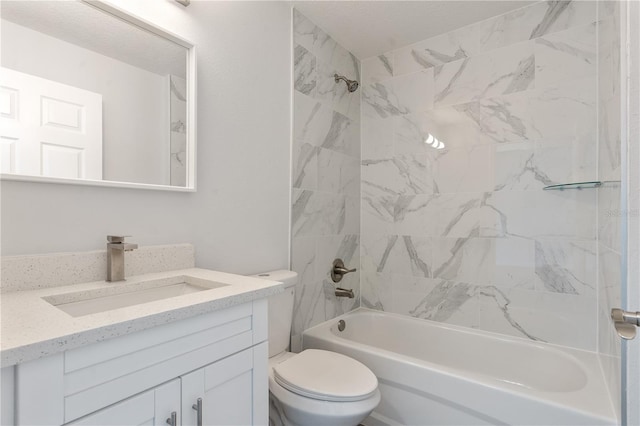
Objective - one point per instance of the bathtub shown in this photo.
(435, 374)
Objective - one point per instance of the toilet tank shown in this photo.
(280, 310)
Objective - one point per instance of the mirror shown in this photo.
(91, 95)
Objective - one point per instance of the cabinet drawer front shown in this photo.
(120, 346)
(137, 410)
(115, 369)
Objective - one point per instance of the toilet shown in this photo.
(314, 387)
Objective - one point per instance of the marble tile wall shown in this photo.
(610, 212)
(326, 175)
(465, 234)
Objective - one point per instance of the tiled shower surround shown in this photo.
(466, 235)
(326, 175)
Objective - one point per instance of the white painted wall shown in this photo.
(135, 102)
(239, 218)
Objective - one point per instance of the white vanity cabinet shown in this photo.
(220, 358)
(153, 407)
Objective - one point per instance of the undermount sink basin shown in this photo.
(123, 295)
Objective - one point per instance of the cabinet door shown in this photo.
(150, 408)
(226, 389)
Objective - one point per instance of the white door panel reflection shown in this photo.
(49, 129)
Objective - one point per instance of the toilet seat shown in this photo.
(326, 376)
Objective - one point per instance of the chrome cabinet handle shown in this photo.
(198, 407)
(173, 420)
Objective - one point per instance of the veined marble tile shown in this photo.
(516, 168)
(503, 262)
(566, 113)
(317, 213)
(467, 214)
(409, 255)
(309, 307)
(609, 280)
(531, 166)
(566, 55)
(410, 133)
(520, 25)
(318, 42)
(377, 138)
(304, 71)
(503, 119)
(402, 215)
(307, 34)
(609, 110)
(376, 291)
(468, 169)
(380, 100)
(564, 266)
(550, 317)
(401, 175)
(546, 214)
(352, 215)
(340, 136)
(610, 215)
(378, 212)
(497, 314)
(574, 162)
(377, 69)
(304, 259)
(507, 70)
(338, 173)
(609, 139)
(312, 119)
(414, 215)
(377, 252)
(415, 91)
(305, 166)
(446, 301)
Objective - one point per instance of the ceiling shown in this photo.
(370, 28)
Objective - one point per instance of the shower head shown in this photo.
(352, 85)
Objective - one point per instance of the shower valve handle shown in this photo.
(338, 270)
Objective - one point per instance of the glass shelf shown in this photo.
(578, 185)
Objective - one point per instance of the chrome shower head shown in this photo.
(352, 85)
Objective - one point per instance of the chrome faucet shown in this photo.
(115, 256)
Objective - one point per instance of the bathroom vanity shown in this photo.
(193, 359)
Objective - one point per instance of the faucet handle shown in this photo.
(117, 238)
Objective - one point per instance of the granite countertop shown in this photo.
(33, 328)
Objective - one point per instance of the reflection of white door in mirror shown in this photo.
(49, 129)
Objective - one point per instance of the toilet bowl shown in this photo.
(312, 395)
(314, 387)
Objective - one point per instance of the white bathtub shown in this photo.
(436, 374)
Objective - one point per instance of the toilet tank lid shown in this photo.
(288, 278)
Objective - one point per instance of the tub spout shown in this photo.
(343, 292)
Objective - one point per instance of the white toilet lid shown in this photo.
(327, 376)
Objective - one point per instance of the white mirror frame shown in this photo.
(191, 112)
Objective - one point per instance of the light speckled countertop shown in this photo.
(33, 328)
